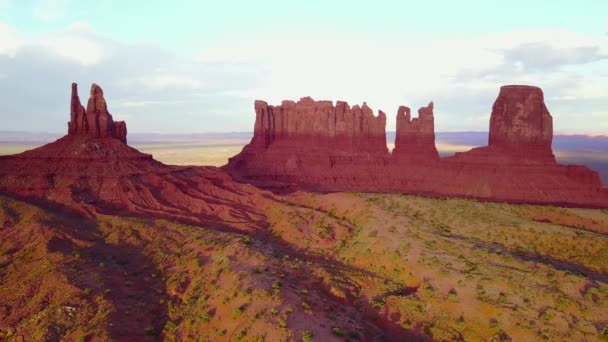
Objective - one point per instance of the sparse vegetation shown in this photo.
(403, 262)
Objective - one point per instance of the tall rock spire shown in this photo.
(415, 138)
(520, 120)
(96, 121)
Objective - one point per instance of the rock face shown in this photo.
(303, 140)
(520, 120)
(415, 138)
(92, 170)
(320, 122)
(96, 121)
(521, 129)
(316, 146)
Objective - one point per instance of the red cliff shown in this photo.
(92, 170)
(521, 129)
(306, 140)
(518, 165)
(96, 121)
(319, 123)
(316, 146)
(415, 137)
(520, 120)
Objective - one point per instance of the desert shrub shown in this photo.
(452, 296)
(151, 331)
(378, 303)
(337, 331)
(307, 336)
(502, 298)
(206, 317)
(241, 334)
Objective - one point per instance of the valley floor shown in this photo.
(343, 266)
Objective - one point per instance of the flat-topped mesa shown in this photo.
(415, 137)
(317, 146)
(96, 121)
(520, 122)
(319, 123)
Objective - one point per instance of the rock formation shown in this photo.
(521, 129)
(520, 120)
(307, 138)
(310, 145)
(316, 146)
(320, 122)
(415, 138)
(93, 170)
(96, 121)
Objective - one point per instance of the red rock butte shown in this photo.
(314, 145)
(93, 170)
(96, 121)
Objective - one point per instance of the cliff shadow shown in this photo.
(115, 278)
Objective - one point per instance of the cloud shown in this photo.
(462, 75)
(159, 89)
(545, 56)
(9, 40)
(214, 89)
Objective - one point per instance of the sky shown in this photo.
(197, 66)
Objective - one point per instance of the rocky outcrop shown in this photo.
(518, 164)
(95, 121)
(316, 146)
(307, 139)
(92, 170)
(320, 122)
(521, 130)
(415, 137)
(520, 120)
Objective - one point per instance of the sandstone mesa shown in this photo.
(303, 145)
(92, 170)
(316, 146)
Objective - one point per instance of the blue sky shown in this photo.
(197, 66)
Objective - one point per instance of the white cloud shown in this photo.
(73, 47)
(462, 76)
(78, 43)
(9, 41)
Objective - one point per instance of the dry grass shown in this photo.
(330, 267)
